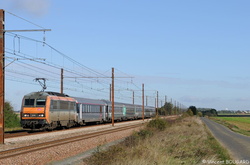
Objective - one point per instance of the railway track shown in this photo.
(45, 145)
(13, 134)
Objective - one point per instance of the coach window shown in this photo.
(85, 108)
(96, 109)
(78, 108)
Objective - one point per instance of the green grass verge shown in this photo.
(236, 124)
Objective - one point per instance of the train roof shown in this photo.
(79, 99)
(89, 101)
(126, 104)
(46, 93)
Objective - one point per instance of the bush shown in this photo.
(199, 114)
(144, 133)
(158, 123)
(190, 112)
(11, 120)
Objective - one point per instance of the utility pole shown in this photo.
(113, 97)
(133, 98)
(157, 104)
(61, 80)
(166, 103)
(155, 107)
(2, 64)
(171, 110)
(143, 102)
(175, 108)
(110, 92)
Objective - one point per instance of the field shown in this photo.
(186, 141)
(237, 124)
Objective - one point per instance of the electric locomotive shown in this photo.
(48, 110)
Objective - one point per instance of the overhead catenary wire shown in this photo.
(24, 19)
(100, 85)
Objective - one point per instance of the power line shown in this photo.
(24, 19)
(74, 85)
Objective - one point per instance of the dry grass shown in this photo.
(185, 141)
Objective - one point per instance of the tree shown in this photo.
(11, 119)
(210, 112)
(169, 108)
(161, 111)
(193, 109)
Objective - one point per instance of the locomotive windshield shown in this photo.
(40, 102)
(29, 102)
(34, 102)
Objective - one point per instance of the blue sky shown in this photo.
(195, 52)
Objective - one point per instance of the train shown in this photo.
(50, 110)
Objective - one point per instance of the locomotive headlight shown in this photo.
(26, 115)
(41, 115)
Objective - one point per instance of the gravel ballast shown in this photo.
(66, 152)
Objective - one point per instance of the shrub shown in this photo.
(144, 133)
(199, 114)
(190, 112)
(11, 119)
(157, 123)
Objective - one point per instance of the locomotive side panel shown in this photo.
(54, 112)
(63, 112)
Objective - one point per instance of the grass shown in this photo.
(12, 129)
(237, 124)
(186, 141)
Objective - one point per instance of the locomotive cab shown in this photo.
(33, 112)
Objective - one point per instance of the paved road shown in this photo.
(237, 144)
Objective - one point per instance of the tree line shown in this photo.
(170, 109)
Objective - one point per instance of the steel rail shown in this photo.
(12, 135)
